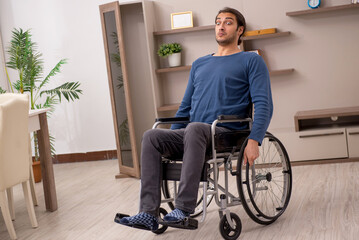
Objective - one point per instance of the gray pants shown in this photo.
(191, 143)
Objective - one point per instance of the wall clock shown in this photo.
(313, 3)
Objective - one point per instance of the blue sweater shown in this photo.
(227, 85)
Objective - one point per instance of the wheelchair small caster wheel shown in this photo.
(227, 231)
(161, 228)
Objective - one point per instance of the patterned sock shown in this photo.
(142, 219)
(176, 215)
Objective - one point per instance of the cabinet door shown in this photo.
(119, 90)
(314, 145)
(353, 141)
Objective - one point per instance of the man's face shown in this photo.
(226, 29)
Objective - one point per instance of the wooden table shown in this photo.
(38, 122)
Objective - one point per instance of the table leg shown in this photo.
(46, 164)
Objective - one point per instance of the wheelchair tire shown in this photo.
(168, 188)
(225, 229)
(161, 228)
(265, 187)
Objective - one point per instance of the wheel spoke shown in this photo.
(264, 188)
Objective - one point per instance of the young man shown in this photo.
(226, 82)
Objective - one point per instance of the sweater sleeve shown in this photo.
(260, 91)
(185, 107)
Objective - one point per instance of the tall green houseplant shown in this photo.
(26, 60)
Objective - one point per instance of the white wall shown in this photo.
(72, 30)
(3, 80)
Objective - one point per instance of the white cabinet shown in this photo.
(353, 141)
(322, 134)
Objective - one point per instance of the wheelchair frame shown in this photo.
(223, 197)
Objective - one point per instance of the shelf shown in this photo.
(211, 27)
(263, 36)
(169, 107)
(321, 113)
(325, 118)
(321, 10)
(188, 67)
(281, 72)
(173, 69)
(184, 30)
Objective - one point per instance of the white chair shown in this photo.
(14, 154)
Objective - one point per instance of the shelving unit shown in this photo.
(323, 9)
(162, 107)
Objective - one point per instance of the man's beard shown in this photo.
(227, 41)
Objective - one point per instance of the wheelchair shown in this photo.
(263, 189)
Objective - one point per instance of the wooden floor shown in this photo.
(324, 205)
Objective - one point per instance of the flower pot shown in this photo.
(174, 60)
(36, 168)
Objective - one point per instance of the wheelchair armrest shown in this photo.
(173, 119)
(229, 117)
(233, 118)
(170, 120)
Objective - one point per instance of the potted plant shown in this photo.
(27, 61)
(172, 51)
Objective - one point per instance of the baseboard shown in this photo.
(85, 157)
(324, 161)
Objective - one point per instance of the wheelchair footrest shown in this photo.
(187, 223)
(119, 216)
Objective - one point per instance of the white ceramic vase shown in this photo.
(174, 60)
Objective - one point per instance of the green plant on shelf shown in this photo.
(167, 49)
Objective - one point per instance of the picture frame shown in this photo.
(181, 20)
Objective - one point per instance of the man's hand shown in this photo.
(251, 152)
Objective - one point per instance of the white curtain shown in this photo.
(3, 79)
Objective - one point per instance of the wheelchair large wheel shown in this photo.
(266, 186)
(168, 188)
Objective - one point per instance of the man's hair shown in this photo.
(239, 17)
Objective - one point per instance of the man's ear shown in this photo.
(240, 30)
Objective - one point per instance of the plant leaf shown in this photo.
(2, 90)
(68, 90)
(53, 72)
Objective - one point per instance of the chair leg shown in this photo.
(29, 204)
(32, 179)
(32, 187)
(6, 214)
(10, 199)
